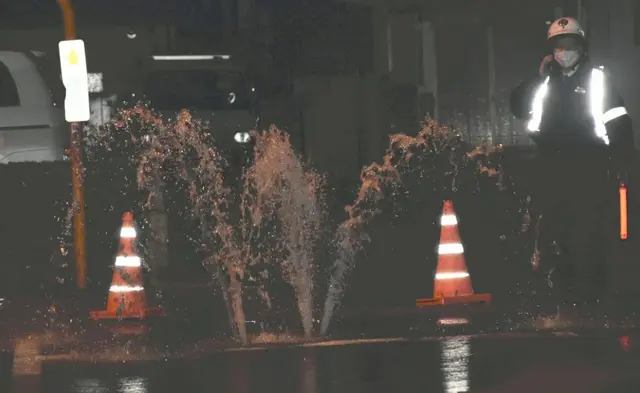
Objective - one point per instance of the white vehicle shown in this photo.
(32, 126)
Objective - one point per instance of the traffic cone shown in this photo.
(452, 280)
(126, 298)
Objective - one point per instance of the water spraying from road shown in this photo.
(275, 214)
(436, 152)
(183, 149)
(274, 217)
(277, 185)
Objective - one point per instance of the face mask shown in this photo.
(567, 58)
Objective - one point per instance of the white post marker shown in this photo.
(73, 66)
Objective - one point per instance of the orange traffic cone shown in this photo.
(452, 280)
(126, 298)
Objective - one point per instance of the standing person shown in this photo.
(584, 142)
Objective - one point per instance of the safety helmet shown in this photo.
(565, 26)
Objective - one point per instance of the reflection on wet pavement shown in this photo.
(447, 365)
(121, 385)
(455, 355)
(308, 376)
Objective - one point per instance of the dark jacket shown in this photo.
(567, 123)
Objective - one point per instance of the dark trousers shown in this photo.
(576, 197)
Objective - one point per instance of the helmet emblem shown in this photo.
(563, 23)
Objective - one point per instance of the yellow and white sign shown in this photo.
(73, 66)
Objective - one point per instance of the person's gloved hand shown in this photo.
(545, 65)
(621, 163)
(618, 171)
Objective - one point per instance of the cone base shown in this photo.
(142, 314)
(130, 327)
(484, 298)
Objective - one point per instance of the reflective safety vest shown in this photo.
(596, 99)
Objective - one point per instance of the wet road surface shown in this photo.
(449, 365)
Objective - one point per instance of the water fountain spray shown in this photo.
(278, 185)
(437, 152)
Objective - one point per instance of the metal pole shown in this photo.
(76, 166)
(579, 13)
(493, 116)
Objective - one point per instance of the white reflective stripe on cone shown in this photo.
(128, 232)
(122, 288)
(614, 113)
(125, 261)
(448, 220)
(450, 249)
(451, 275)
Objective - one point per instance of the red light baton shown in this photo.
(624, 233)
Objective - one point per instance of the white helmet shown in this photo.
(564, 26)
